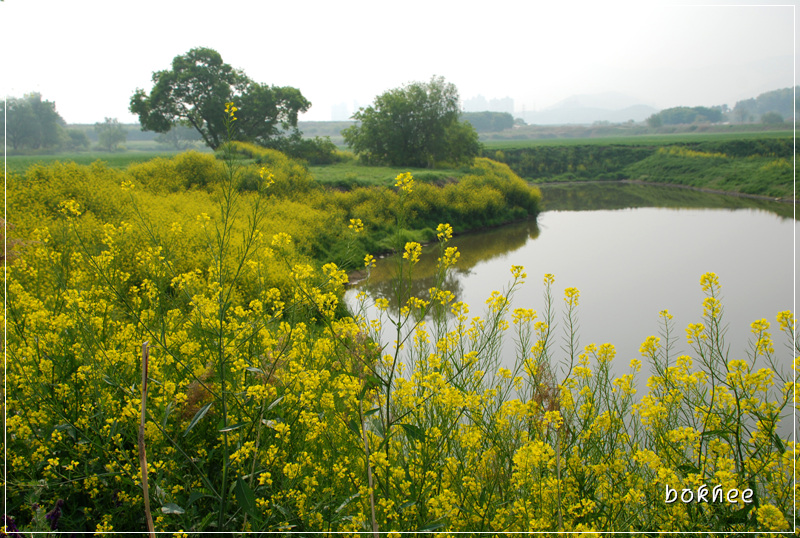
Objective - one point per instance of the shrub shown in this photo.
(186, 170)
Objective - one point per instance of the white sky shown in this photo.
(90, 55)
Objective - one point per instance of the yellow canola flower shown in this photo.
(650, 346)
(524, 315)
(405, 182)
(712, 308)
(356, 225)
(786, 320)
(266, 176)
(709, 281)
(444, 232)
(694, 332)
(412, 252)
(771, 518)
(70, 208)
(369, 260)
(451, 255)
(606, 353)
(281, 239)
(230, 110)
(571, 296)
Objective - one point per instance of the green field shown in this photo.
(637, 140)
(753, 163)
(350, 175)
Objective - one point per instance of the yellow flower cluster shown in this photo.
(405, 182)
(686, 152)
(267, 177)
(230, 110)
(70, 208)
(412, 252)
(444, 232)
(356, 225)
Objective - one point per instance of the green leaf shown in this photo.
(198, 494)
(406, 505)
(778, 443)
(414, 432)
(433, 525)
(273, 404)
(354, 426)
(197, 417)
(370, 382)
(166, 416)
(245, 496)
(231, 428)
(284, 512)
(687, 469)
(172, 508)
(371, 411)
(346, 502)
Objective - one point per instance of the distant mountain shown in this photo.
(590, 108)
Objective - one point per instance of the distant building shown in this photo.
(476, 104)
(502, 105)
(481, 104)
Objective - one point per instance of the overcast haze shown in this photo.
(90, 56)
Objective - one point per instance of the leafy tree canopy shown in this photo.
(32, 123)
(110, 134)
(416, 125)
(783, 102)
(194, 92)
(489, 122)
(681, 114)
(772, 118)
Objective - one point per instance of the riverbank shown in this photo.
(786, 200)
(750, 165)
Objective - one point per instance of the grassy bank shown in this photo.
(175, 189)
(350, 175)
(754, 163)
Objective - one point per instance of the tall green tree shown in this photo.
(110, 134)
(489, 122)
(416, 125)
(194, 92)
(32, 123)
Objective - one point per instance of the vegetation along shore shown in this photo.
(180, 358)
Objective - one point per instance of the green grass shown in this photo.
(764, 176)
(756, 162)
(350, 175)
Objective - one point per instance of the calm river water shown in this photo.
(632, 251)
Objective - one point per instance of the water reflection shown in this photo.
(595, 196)
(474, 248)
(633, 251)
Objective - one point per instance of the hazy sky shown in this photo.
(90, 55)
